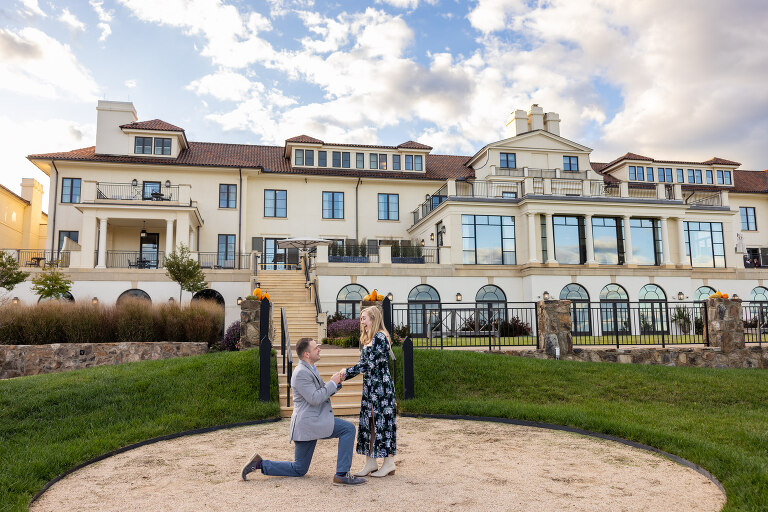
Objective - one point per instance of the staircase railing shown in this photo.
(285, 348)
(312, 285)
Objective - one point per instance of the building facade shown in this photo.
(23, 224)
(525, 215)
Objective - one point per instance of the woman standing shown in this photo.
(376, 434)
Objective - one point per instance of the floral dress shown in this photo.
(377, 430)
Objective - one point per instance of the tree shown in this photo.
(51, 283)
(185, 271)
(10, 275)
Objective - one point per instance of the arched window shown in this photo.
(423, 310)
(348, 300)
(490, 293)
(653, 310)
(758, 294)
(580, 318)
(65, 296)
(134, 293)
(494, 296)
(756, 321)
(702, 293)
(209, 294)
(614, 310)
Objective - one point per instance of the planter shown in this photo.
(408, 259)
(348, 259)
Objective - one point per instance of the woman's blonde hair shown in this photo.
(377, 324)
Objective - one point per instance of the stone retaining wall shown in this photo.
(702, 357)
(21, 360)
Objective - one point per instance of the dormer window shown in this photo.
(395, 162)
(162, 146)
(723, 177)
(413, 162)
(383, 161)
(143, 146)
(299, 158)
(309, 157)
(322, 158)
(374, 160)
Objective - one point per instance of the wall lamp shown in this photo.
(95, 300)
(431, 236)
(422, 242)
(442, 229)
(681, 296)
(15, 300)
(143, 229)
(426, 197)
(458, 297)
(239, 300)
(390, 296)
(735, 296)
(545, 295)
(171, 300)
(135, 182)
(167, 183)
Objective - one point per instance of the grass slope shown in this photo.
(50, 423)
(715, 418)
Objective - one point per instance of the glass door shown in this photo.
(274, 258)
(148, 254)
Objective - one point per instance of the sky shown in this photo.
(683, 80)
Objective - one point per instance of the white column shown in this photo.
(102, 261)
(532, 238)
(168, 237)
(550, 240)
(192, 239)
(628, 259)
(682, 259)
(665, 241)
(243, 242)
(182, 230)
(590, 240)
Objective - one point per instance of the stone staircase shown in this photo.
(346, 401)
(287, 290)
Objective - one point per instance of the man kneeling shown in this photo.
(312, 419)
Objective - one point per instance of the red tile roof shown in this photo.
(635, 156)
(271, 158)
(154, 124)
(720, 161)
(304, 139)
(410, 144)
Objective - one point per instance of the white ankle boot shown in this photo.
(370, 466)
(387, 468)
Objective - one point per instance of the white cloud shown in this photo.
(105, 17)
(34, 64)
(131, 84)
(71, 21)
(224, 85)
(492, 15)
(31, 8)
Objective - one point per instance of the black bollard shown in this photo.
(265, 352)
(408, 388)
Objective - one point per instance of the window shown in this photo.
(614, 310)
(133, 293)
(72, 235)
(275, 203)
(680, 176)
(665, 175)
(374, 158)
(652, 311)
(345, 159)
(703, 293)
(727, 175)
(570, 163)
(493, 296)
(646, 241)
(408, 162)
(608, 240)
(723, 177)
(309, 157)
(417, 163)
(389, 208)
(691, 179)
(395, 162)
(569, 239)
(299, 159)
(758, 294)
(162, 146)
(709, 177)
(698, 175)
(649, 173)
(336, 155)
(348, 300)
(322, 158)
(143, 146)
(488, 239)
(581, 321)
(383, 161)
(70, 190)
(360, 160)
(632, 172)
(227, 196)
(226, 252)
(748, 222)
(505, 194)
(508, 161)
(704, 244)
(423, 310)
(148, 188)
(333, 205)
(640, 173)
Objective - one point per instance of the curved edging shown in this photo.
(574, 430)
(167, 437)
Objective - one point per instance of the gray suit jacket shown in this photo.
(312, 416)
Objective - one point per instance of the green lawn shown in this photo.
(715, 418)
(50, 423)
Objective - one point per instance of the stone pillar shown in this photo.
(665, 252)
(532, 238)
(554, 327)
(385, 254)
(590, 239)
(550, 240)
(250, 322)
(725, 327)
(628, 258)
(102, 261)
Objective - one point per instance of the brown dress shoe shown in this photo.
(253, 465)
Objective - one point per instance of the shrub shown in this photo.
(134, 321)
(231, 340)
(169, 323)
(84, 323)
(515, 327)
(203, 321)
(335, 318)
(344, 328)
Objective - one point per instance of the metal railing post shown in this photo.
(408, 380)
(616, 322)
(490, 327)
(704, 327)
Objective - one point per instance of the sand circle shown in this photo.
(441, 464)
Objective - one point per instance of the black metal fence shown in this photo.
(488, 324)
(755, 317)
(638, 323)
(42, 258)
(147, 191)
(134, 259)
(215, 260)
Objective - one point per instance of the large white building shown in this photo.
(524, 215)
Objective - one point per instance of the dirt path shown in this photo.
(441, 465)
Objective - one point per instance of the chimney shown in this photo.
(517, 124)
(552, 123)
(536, 117)
(110, 139)
(32, 191)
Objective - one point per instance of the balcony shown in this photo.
(156, 260)
(39, 258)
(136, 193)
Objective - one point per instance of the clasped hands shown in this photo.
(339, 376)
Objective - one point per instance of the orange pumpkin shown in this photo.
(725, 295)
(374, 294)
(379, 297)
(257, 293)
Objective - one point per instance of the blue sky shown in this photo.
(680, 80)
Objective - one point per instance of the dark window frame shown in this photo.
(569, 162)
(746, 223)
(163, 144)
(68, 234)
(228, 200)
(504, 160)
(145, 143)
(395, 162)
(275, 208)
(333, 212)
(68, 194)
(388, 211)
